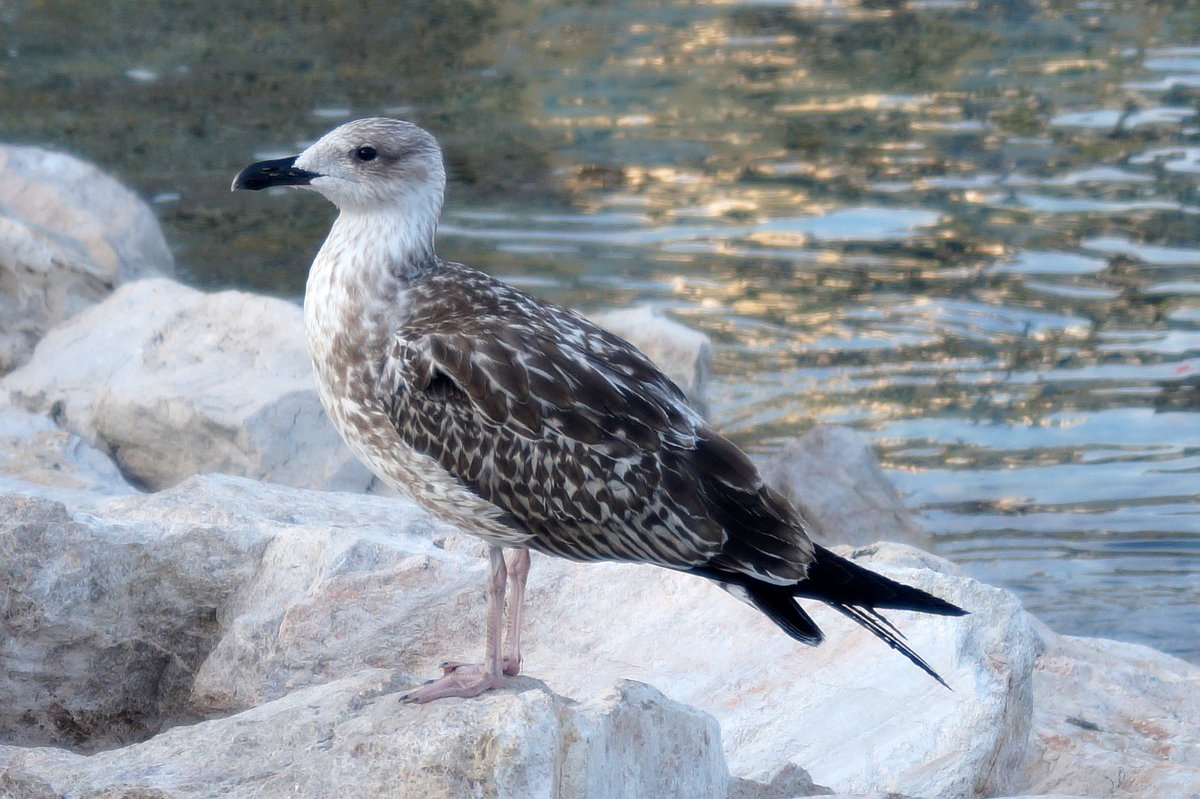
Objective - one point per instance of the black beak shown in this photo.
(280, 172)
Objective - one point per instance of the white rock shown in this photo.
(1051, 796)
(103, 623)
(1114, 719)
(787, 780)
(36, 457)
(68, 235)
(832, 476)
(331, 584)
(892, 795)
(855, 715)
(682, 353)
(352, 737)
(174, 382)
(326, 603)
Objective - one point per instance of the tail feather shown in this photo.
(850, 589)
(885, 631)
(834, 579)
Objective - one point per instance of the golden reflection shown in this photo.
(862, 102)
(635, 120)
(778, 238)
(1059, 65)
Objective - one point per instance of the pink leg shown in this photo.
(461, 679)
(518, 571)
(517, 563)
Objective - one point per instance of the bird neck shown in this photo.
(358, 281)
(384, 245)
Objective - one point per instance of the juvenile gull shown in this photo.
(526, 424)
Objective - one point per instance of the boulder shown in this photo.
(103, 623)
(831, 475)
(340, 583)
(1113, 719)
(856, 716)
(37, 457)
(173, 382)
(683, 354)
(788, 780)
(223, 596)
(353, 737)
(68, 235)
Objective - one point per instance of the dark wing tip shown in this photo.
(833, 579)
(782, 608)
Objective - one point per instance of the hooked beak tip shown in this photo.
(277, 172)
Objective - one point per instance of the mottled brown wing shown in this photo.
(585, 443)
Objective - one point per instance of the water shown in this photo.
(969, 230)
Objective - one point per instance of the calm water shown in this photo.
(969, 230)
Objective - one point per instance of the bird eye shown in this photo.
(365, 153)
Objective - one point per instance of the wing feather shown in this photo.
(577, 436)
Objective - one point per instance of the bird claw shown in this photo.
(458, 679)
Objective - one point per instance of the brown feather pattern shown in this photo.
(575, 434)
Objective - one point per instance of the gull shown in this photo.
(525, 424)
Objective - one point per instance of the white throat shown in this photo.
(372, 241)
(394, 233)
(358, 281)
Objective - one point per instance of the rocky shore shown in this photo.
(203, 593)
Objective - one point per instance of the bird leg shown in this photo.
(518, 571)
(517, 563)
(471, 679)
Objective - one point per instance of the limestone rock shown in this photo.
(227, 596)
(894, 795)
(68, 235)
(1114, 719)
(352, 737)
(333, 584)
(855, 715)
(1051, 796)
(36, 457)
(174, 382)
(387, 561)
(682, 353)
(103, 623)
(787, 781)
(326, 603)
(832, 476)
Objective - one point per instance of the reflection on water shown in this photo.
(970, 230)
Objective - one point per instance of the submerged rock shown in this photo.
(68, 235)
(831, 475)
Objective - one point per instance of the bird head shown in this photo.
(368, 165)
